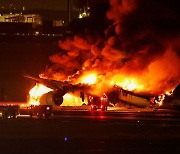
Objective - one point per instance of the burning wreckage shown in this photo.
(133, 58)
(48, 93)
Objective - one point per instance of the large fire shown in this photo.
(126, 83)
(138, 53)
(36, 92)
(71, 99)
(89, 79)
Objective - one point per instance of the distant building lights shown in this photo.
(82, 15)
(37, 33)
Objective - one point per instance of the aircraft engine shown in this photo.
(51, 98)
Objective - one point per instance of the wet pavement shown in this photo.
(128, 131)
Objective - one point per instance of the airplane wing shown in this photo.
(55, 85)
(59, 85)
(60, 89)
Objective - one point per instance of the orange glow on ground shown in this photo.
(36, 92)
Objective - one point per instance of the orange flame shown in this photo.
(162, 97)
(160, 100)
(36, 92)
(144, 60)
(71, 99)
(88, 78)
(169, 93)
(130, 84)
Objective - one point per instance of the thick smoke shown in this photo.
(141, 42)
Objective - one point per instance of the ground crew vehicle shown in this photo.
(99, 102)
(9, 111)
(41, 111)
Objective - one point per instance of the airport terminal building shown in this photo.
(28, 24)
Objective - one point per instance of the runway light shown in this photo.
(65, 139)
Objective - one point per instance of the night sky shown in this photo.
(18, 58)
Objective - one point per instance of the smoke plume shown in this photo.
(141, 43)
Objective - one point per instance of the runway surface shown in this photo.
(83, 131)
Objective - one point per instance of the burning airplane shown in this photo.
(138, 53)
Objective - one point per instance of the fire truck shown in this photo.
(98, 102)
(41, 111)
(9, 111)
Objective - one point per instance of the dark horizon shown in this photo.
(35, 4)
